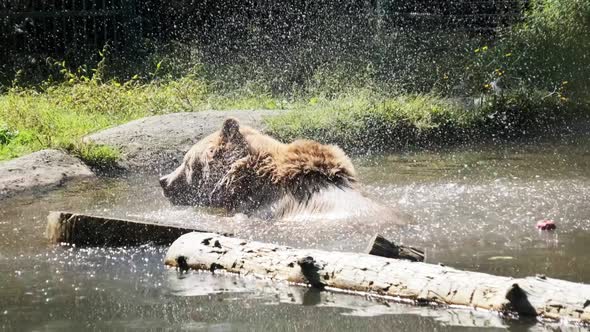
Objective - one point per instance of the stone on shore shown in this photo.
(39, 171)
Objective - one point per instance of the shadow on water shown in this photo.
(472, 209)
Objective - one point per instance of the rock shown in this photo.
(43, 169)
(157, 144)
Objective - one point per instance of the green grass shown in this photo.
(101, 156)
(59, 115)
(363, 121)
(358, 119)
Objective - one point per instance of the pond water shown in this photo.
(472, 209)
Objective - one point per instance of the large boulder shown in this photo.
(40, 170)
(157, 144)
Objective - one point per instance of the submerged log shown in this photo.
(380, 246)
(88, 230)
(384, 277)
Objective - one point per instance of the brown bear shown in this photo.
(244, 171)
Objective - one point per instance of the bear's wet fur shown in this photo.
(242, 170)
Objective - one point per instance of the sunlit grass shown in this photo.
(359, 119)
(60, 115)
(365, 121)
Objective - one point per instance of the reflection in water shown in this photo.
(472, 210)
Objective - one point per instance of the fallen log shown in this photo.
(421, 283)
(88, 230)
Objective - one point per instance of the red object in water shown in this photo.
(546, 225)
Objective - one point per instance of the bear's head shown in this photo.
(205, 165)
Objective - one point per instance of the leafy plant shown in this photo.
(7, 135)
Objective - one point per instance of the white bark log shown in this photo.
(384, 277)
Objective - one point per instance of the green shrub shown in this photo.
(547, 51)
(6, 134)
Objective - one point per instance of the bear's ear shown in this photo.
(230, 128)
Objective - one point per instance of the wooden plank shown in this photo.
(87, 230)
(382, 277)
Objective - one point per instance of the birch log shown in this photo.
(421, 283)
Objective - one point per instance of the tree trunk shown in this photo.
(384, 277)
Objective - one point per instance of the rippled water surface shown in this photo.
(470, 209)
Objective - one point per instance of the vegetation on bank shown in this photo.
(363, 122)
(59, 115)
(534, 75)
(358, 119)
